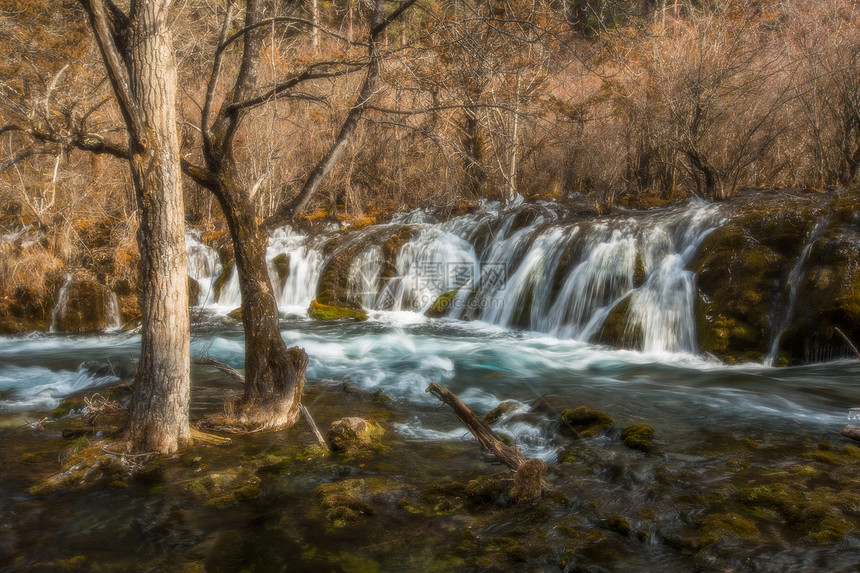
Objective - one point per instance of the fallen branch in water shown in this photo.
(528, 481)
(228, 370)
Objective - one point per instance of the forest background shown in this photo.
(629, 104)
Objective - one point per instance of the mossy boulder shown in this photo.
(442, 305)
(224, 488)
(584, 422)
(348, 434)
(82, 306)
(499, 411)
(620, 329)
(318, 311)
(349, 500)
(638, 437)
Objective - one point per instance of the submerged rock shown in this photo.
(584, 422)
(352, 433)
(319, 311)
(638, 437)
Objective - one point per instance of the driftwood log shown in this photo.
(528, 481)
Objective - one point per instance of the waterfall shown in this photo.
(113, 312)
(204, 266)
(62, 301)
(295, 263)
(530, 267)
(794, 277)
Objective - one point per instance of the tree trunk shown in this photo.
(274, 374)
(138, 54)
(159, 410)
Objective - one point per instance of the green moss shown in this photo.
(68, 405)
(619, 525)
(441, 305)
(719, 526)
(496, 413)
(235, 315)
(319, 311)
(584, 422)
(638, 437)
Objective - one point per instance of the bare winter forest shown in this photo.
(629, 103)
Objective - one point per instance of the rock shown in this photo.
(638, 437)
(496, 413)
(349, 500)
(282, 266)
(82, 306)
(193, 291)
(442, 305)
(585, 422)
(618, 330)
(227, 487)
(319, 311)
(349, 434)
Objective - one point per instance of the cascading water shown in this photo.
(62, 301)
(782, 323)
(204, 266)
(295, 262)
(527, 269)
(114, 313)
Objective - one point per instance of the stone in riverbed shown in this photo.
(352, 433)
(584, 422)
(638, 437)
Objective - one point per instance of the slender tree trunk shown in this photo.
(138, 54)
(274, 374)
(159, 412)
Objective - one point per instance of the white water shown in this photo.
(782, 323)
(60, 305)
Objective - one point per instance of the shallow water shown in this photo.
(699, 408)
(684, 396)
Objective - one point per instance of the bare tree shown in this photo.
(138, 54)
(274, 374)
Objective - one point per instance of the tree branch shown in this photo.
(117, 72)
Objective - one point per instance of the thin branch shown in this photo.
(116, 70)
(213, 80)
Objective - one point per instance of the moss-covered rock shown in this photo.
(318, 311)
(619, 329)
(223, 488)
(638, 437)
(353, 433)
(441, 305)
(349, 500)
(82, 306)
(584, 422)
(496, 413)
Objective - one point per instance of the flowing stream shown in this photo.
(536, 291)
